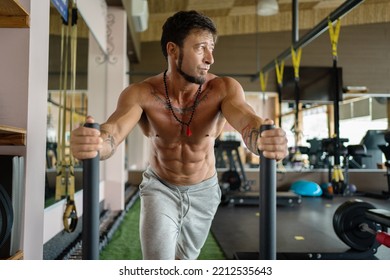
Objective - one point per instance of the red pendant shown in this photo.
(188, 132)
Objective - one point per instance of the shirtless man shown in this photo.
(182, 111)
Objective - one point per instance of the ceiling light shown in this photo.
(267, 7)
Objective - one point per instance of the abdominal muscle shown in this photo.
(183, 163)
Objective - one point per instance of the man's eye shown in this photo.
(200, 49)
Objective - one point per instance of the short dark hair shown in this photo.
(179, 26)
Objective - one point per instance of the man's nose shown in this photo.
(208, 58)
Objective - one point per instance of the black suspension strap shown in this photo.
(296, 60)
(279, 69)
(337, 175)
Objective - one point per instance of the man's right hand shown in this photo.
(85, 142)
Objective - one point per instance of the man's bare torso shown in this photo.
(176, 157)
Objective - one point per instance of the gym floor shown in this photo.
(303, 228)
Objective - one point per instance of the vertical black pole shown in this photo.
(295, 21)
(90, 234)
(336, 113)
(267, 238)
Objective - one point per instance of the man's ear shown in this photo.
(172, 50)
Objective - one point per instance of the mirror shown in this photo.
(66, 106)
(362, 121)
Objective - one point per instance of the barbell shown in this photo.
(360, 226)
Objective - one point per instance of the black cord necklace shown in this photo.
(188, 131)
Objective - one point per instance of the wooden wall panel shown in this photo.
(363, 53)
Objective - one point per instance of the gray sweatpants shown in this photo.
(175, 220)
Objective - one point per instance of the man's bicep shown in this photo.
(123, 120)
(237, 112)
(125, 117)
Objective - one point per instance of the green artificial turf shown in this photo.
(125, 243)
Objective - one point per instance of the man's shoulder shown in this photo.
(222, 81)
(148, 85)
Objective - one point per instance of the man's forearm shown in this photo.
(250, 136)
(109, 145)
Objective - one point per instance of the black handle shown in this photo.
(267, 230)
(91, 222)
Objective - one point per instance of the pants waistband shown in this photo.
(213, 180)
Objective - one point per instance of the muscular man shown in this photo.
(182, 111)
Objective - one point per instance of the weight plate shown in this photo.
(6, 214)
(2, 217)
(346, 224)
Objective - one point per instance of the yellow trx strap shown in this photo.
(296, 60)
(65, 179)
(70, 213)
(279, 77)
(334, 33)
(337, 181)
(61, 161)
(338, 175)
(279, 71)
(263, 81)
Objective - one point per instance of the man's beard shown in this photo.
(196, 80)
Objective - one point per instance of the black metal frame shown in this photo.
(320, 28)
(91, 219)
